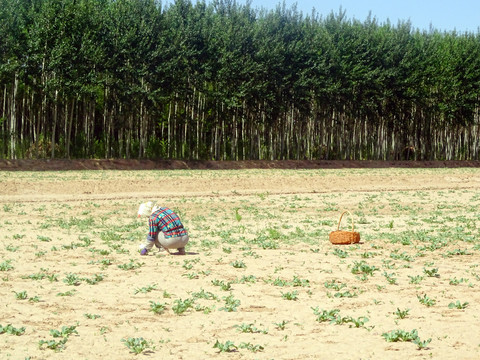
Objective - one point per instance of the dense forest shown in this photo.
(221, 80)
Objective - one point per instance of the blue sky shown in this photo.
(443, 15)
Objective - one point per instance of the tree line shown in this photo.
(225, 81)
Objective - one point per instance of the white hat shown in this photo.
(145, 209)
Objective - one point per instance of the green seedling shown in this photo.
(12, 248)
(390, 278)
(400, 335)
(145, 289)
(415, 279)
(64, 332)
(223, 285)
(334, 285)
(293, 295)
(21, 295)
(422, 344)
(401, 314)
(138, 345)
(182, 306)
(456, 281)
(94, 280)
(362, 268)
(340, 253)
(53, 344)
(157, 308)
(202, 294)
(251, 279)
(132, 265)
(43, 238)
(458, 305)
(325, 315)
(431, 272)
(238, 264)
(191, 276)
(67, 293)
(228, 346)
(300, 282)
(281, 325)
(251, 347)
(231, 304)
(425, 300)
(72, 279)
(249, 328)
(6, 265)
(9, 329)
(345, 294)
(91, 316)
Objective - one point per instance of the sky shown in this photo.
(443, 15)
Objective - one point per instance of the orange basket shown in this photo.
(342, 237)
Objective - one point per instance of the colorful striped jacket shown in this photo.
(166, 221)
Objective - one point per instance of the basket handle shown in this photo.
(351, 217)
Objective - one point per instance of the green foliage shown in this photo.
(425, 300)
(9, 329)
(203, 64)
(181, 306)
(157, 308)
(137, 345)
(457, 305)
(402, 335)
(231, 304)
(228, 346)
(6, 265)
(401, 314)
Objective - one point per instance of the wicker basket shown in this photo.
(341, 237)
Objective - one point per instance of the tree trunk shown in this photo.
(54, 125)
(13, 120)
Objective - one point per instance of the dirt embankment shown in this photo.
(122, 164)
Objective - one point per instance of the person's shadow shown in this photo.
(186, 253)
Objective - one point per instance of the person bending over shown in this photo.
(165, 229)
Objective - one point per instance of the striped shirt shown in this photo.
(166, 221)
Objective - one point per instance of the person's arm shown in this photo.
(153, 229)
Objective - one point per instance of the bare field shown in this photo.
(260, 279)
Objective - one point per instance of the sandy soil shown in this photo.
(260, 278)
